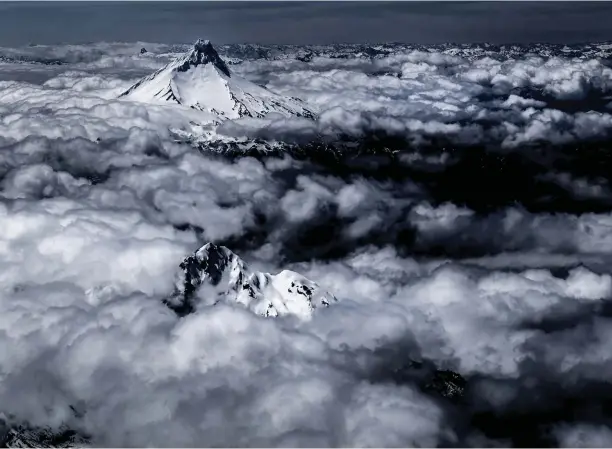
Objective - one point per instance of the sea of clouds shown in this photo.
(487, 255)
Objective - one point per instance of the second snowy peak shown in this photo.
(214, 274)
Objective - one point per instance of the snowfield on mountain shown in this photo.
(201, 80)
(265, 294)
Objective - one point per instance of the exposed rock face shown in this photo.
(448, 384)
(225, 277)
(203, 53)
(25, 436)
(425, 374)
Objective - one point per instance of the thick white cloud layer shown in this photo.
(421, 94)
(99, 204)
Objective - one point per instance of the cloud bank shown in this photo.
(478, 244)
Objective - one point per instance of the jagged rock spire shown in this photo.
(204, 53)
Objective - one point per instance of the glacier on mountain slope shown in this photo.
(200, 79)
(214, 274)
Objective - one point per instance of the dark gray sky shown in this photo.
(50, 22)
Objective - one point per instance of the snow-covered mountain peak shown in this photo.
(200, 79)
(214, 274)
(215, 264)
(204, 53)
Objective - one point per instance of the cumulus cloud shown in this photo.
(584, 436)
(420, 94)
(485, 253)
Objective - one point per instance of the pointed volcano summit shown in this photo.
(204, 53)
(200, 79)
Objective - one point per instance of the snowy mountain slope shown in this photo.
(214, 273)
(201, 79)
